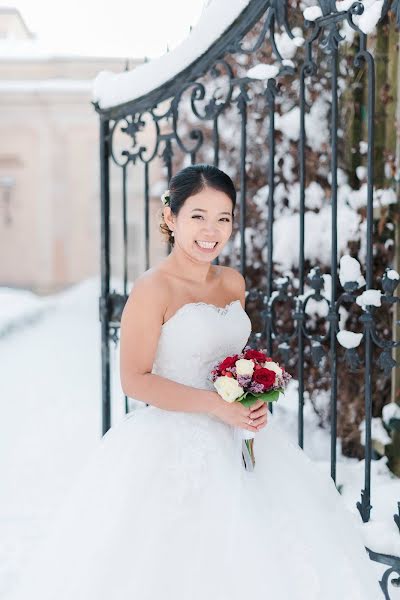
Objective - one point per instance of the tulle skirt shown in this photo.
(164, 510)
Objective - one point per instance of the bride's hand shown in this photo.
(259, 414)
(234, 413)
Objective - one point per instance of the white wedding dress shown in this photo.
(165, 510)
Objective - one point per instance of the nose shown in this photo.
(210, 230)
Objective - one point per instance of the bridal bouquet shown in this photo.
(247, 377)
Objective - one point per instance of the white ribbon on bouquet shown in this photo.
(243, 435)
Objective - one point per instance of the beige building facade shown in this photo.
(49, 165)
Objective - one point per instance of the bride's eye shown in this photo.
(222, 219)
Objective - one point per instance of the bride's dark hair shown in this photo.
(190, 181)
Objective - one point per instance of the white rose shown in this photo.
(244, 366)
(273, 366)
(228, 388)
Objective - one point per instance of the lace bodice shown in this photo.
(198, 336)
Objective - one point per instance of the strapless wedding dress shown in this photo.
(164, 509)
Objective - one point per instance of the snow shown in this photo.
(378, 431)
(350, 270)
(317, 232)
(50, 423)
(18, 308)
(385, 196)
(263, 71)
(348, 339)
(366, 21)
(381, 197)
(369, 298)
(111, 89)
(370, 17)
(344, 4)
(289, 123)
(288, 46)
(316, 124)
(50, 410)
(361, 173)
(312, 13)
(392, 274)
(390, 411)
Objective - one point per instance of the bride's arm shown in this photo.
(141, 323)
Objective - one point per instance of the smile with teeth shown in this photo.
(208, 245)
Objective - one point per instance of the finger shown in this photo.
(257, 405)
(245, 412)
(259, 413)
(259, 421)
(248, 426)
(264, 423)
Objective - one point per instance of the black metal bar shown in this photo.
(369, 270)
(300, 336)
(125, 245)
(270, 98)
(365, 505)
(333, 312)
(242, 105)
(216, 142)
(168, 158)
(146, 215)
(270, 95)
(105, 271)
(124, 230)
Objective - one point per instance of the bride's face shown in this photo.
(205, 217)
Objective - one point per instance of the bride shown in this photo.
(164, 508)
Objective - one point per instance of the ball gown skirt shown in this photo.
(163, 509)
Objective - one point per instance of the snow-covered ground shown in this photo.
(50, 422)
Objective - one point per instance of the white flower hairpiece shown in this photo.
(165, 197)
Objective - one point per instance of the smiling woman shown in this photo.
(172, 472)
(200, 208)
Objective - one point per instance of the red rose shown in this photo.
(264, 376)
(255, 355)
(229, 361)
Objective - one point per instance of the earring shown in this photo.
(172, 233)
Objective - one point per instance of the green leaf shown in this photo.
(248, 399)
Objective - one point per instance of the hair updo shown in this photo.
(190, 181)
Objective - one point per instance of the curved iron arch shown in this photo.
(245, 21)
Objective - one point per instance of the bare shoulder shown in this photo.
(148, 295)
(234, 281)
(141, 324)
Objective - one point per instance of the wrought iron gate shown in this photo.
(188, 134)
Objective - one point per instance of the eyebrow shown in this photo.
(203, 210)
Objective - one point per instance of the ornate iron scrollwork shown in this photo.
(183, 117)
